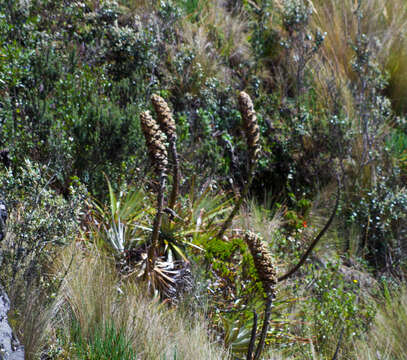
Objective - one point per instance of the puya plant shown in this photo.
(158, 270)
(252, 133)
(162, 270)
(115, 225)
(167, 123)
(261, 257)
(158, 154)
(267, 275)
(154, 134)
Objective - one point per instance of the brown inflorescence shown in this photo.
(164, 115)
(251, 127)
(155, 141)
(262, 261)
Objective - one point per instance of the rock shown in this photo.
(10, 348)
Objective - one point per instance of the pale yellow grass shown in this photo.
(93, 293)
(260, 220)
(217, 39)
(387, 339)
(385, 25)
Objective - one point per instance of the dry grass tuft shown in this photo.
(387, 339)
(93, 294)
(259, 219)
(217, 38)
(384, 23)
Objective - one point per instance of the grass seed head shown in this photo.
(164, 115)
(251, 127)
(155, 141)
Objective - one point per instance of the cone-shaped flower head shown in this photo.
(250, 125)
(155, 141)
(164, 116)
(262, 261)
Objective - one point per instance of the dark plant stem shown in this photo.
(267, 314)
(176, 174)
(152, 251)
(239, 203)
(315, 241)
(252, 337)
(335, 357)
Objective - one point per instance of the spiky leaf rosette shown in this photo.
(250, 125)
(164, 116)
(155, 141)
(262, 261)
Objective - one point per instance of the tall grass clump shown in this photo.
(94, 297)
(382, 22)
(214, 41)
(108, 343)
(387, 338)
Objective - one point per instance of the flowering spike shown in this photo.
(155, 141)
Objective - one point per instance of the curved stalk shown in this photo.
(315, 241)
(239, 203)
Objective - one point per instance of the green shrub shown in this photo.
(379, 213)
(40, 224)
(337, 311)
